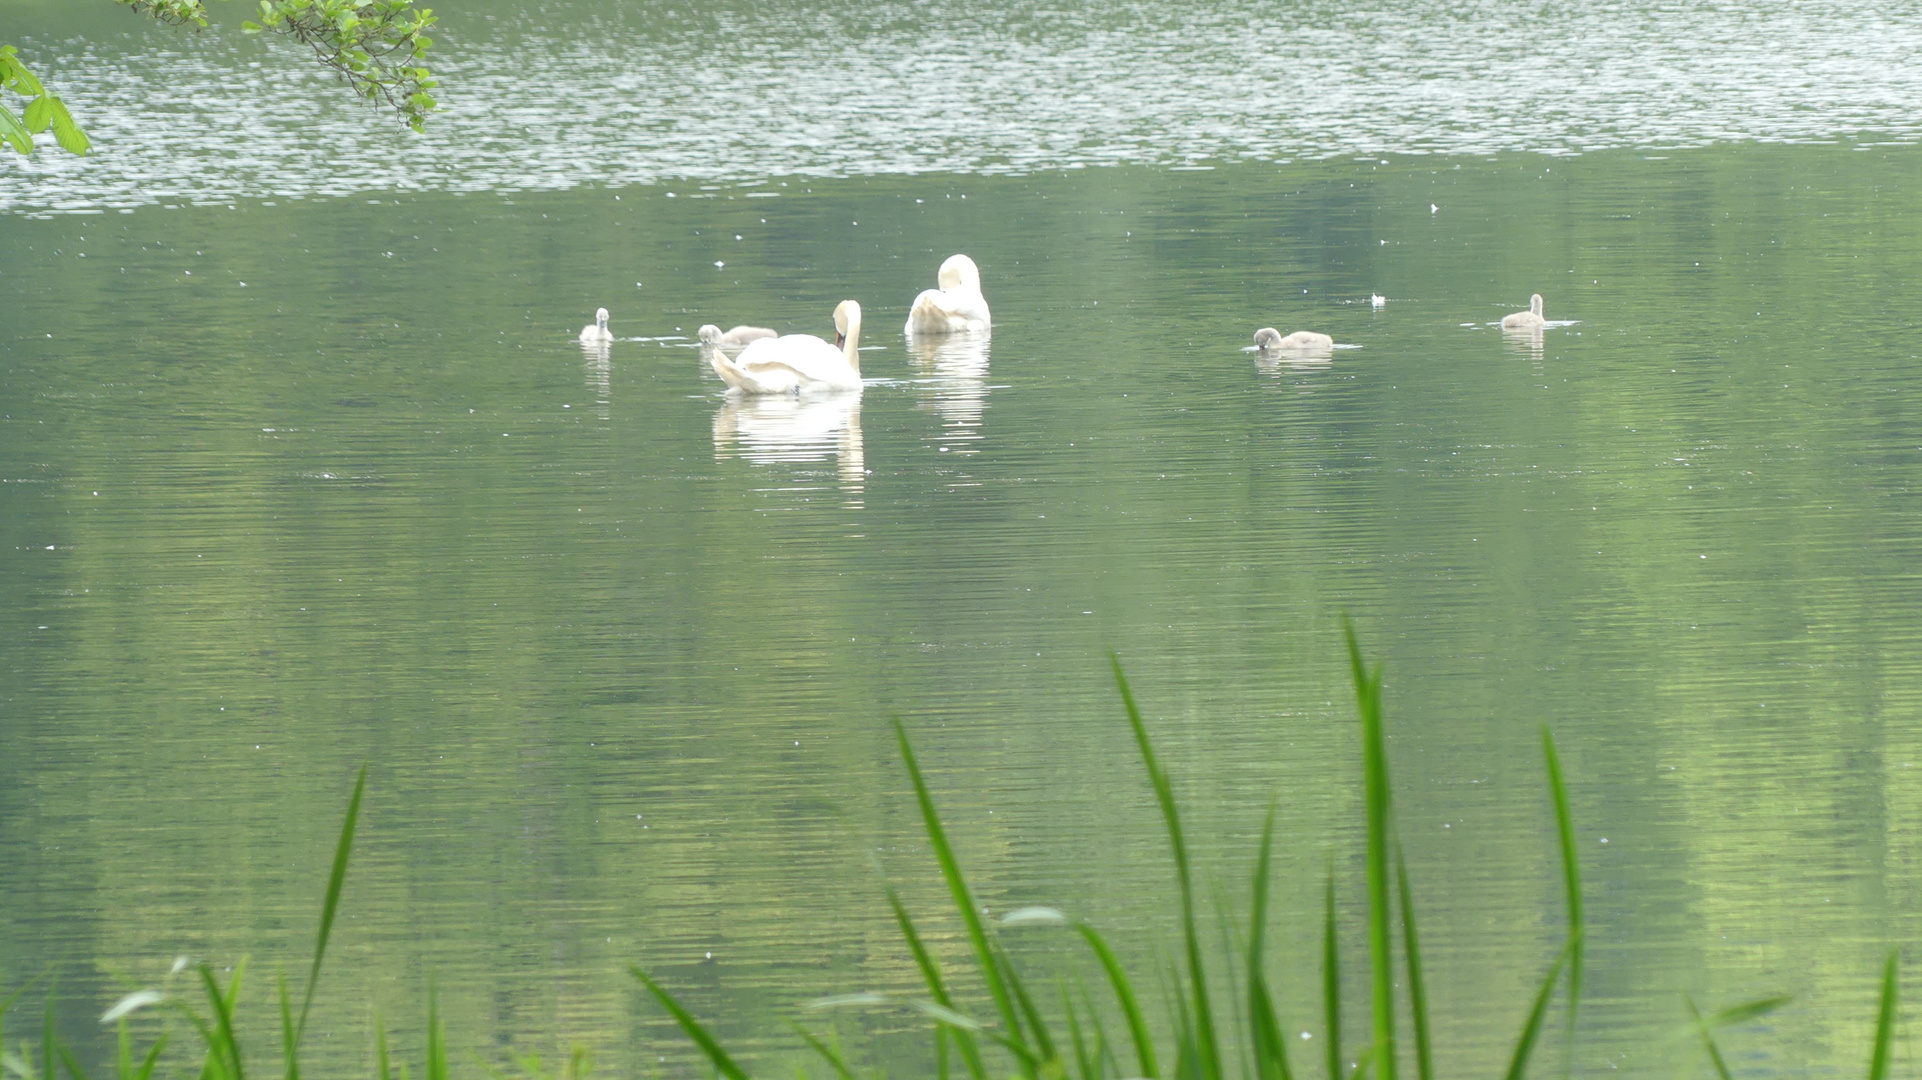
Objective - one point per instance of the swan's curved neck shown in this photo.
(851, 345)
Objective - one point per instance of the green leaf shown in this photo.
(14, 74)
(66, 132)
(15, 135)
(38, 114)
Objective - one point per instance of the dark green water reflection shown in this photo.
(622, 657)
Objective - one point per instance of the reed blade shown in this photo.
(436, 1039)
(47, 1037)
(937, 989)
(1748, 1010)
(1417, 989)
(1532, 1028)
(1571, 879)
(228, 1044)
(706, 1042)
(1083, 1061)
(1207, 1046)
(958, 889)
(66, 1058)
(1376, 795)
(1331, 979)
(1264, 1028)
(1037, 1027)
(330, 907)
(827, 1052)
(1708, 1039)
(1885, 1021)
(145, 1072)
(289, 1040)
(380, 1049)
(1125, 996)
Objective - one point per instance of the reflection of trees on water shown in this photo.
(596, 361)
(774, 429)
(953, 383)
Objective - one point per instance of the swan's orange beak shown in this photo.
(840, 339)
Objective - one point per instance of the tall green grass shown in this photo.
(1194, 1042)
(1204, 1046)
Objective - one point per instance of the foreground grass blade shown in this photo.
(328, 909)
(1331, 979)
(1708, 1039)
(289, 1039)
(937, 989)
(1207, 1047)
(1264, 1029)
(1532, 1029)
(1748, 1010)
(1374, 760)
(145, 1072)
(1734, 1014)
(66, 1057)
(380, 1049)
(47, 1037)
(1124, 995)
(958, 889)
(1571, 879)
(827, 1052)
(1042, 1043)
(1885, 1022)
(722, 1063)
(1088, 1064)
(1417, 990)
(436, 1039)
(223, 1046)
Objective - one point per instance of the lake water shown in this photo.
(303, 469)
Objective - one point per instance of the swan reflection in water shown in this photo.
(953, 370)
(597, 364)
(1526, 340)
(804, 429)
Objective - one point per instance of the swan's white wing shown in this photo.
(948, 311)
(795, 362)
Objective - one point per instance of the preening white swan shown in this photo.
(735, 338)
(1526, 320)
(954, 308)
(597, 331)
(793, 363)
(1269, 339)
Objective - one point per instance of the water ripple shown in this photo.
(738, 96)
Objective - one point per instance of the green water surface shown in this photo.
(296, 485)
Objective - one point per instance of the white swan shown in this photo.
(735, 338)
(597, 331)
(793, 363)
(1526, 320)
(954, 308)
(1269, 339)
